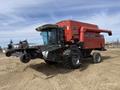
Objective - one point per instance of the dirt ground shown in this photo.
(37, 75)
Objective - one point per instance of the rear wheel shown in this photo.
(96, 57)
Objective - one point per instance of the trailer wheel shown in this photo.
(96, 57)
(25, 58)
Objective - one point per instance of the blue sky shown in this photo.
(19, 18)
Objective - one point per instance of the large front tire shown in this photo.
(75, 61)
(73, 58)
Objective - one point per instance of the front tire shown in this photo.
(75, 61)
(73, 58)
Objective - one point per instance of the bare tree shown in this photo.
(118, 43)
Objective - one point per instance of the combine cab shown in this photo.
(67, 42)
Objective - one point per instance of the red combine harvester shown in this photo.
(67, 41)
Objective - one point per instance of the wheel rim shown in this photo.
(78, 61)
(75, 61)
(98, 58)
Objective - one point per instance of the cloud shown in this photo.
(27, 32)
(107, 21)
(94, 6)
(10, 6)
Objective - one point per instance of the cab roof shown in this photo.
(47, 26)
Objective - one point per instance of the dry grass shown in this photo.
(39, 76)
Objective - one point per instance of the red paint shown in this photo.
(89, 34)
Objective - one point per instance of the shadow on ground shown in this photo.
(88, 61)
(106, 57)
(59, 69)
(49, 70)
